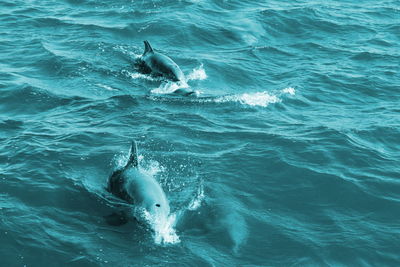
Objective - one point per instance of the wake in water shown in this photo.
(182, 88)
(256, 99)
(261, 99)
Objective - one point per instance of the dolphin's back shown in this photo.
(139, 188)
(146, 191)
(165, 65)
(161, 64)
(116, 186)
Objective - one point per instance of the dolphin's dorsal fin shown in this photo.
(147, 47)
(133, 157)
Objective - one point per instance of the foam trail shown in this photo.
(261, 99)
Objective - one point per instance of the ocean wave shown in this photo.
(288, 143)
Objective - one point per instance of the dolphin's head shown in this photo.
(158, 206)
(147, 193)
(152, 203)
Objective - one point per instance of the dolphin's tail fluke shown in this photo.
(147, 47)
(133, 157)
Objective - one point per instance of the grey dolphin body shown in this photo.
(161, 65)
(138, 188)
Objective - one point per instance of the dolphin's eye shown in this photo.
(158, 205)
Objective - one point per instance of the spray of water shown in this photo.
(197, 74)
(168, 87)
(198, 199)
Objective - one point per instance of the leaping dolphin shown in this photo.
(160, 65)
(137, 188)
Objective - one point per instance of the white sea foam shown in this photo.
(261, 99)
(197, 74)
(289, 90)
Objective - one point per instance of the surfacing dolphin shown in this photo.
(138, 188)
(160, 65)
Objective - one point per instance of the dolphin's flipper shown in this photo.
(133, 157)
(147, 47)
(117, 218)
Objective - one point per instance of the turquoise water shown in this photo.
(288, 155)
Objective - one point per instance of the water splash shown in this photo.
(198, 199)
(289, 90)
(168, 87)
(163, 228)
(197, 74)
(151, 168)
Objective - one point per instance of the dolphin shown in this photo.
(160, 65)
(135, 187)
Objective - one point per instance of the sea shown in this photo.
(286, 154)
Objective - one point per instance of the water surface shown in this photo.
(288, 156)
